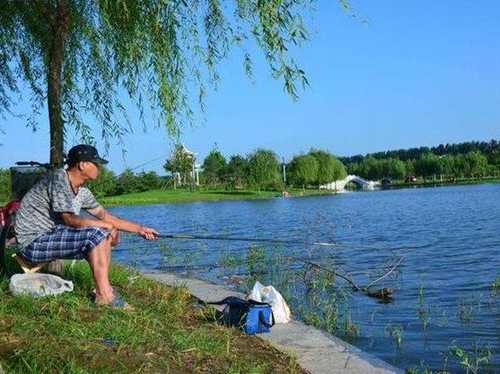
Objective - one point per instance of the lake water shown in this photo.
(449, 238)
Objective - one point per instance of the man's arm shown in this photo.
(122, 224)
(73, 220)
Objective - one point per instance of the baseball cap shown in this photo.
(85, 152)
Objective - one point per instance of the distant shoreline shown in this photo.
(186, 196)
(439, 183)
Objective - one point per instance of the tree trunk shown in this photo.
(54, 83)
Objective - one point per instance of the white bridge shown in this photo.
(340, 184)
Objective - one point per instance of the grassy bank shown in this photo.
(168, 332)
(185, 196)
(444, 182)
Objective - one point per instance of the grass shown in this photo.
(443, 182)
(471, 360)
(396, 333)
(185, 196)
(495, 286)
(168, 331)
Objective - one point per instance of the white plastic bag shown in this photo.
(268, 294)
(38, 284)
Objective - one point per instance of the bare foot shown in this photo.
(104, 297)
(116, 302)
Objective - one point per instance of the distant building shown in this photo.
(193, 174)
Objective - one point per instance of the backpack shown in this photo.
(251, 316)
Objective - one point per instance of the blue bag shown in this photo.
(251, 316)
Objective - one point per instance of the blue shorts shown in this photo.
(64, 242)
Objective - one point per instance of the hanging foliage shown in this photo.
(77, 56)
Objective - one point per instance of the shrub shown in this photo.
(105, 184)
(4, 184)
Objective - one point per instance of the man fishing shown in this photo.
(49, 225)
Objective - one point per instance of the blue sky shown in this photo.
(415, 73)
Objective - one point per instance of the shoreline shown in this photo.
(315, 350)
(184, 196)
(438, 183)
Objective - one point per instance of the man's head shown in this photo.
(86, 160)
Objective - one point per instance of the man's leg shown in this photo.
(99, 259)
(115, 239)
(91, 243)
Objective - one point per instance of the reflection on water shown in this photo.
(449, 237)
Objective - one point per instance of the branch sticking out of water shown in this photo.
(386, 274)
(333, 272)
(384, 293)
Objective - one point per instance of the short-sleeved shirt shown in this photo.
(42, 206)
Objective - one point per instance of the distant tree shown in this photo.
(128, 183)
(351, 168)
(494, 158)
(394, 168)
(477, 164)
(263, 168)
(214, 166)
(371, 168)
(325, 166)
(149, 180)
(428, 165)
(237, 170)
(303, 170)
(494, 161)
(328, 167)
(180, 163)
(339, 171)
(447, 165)
(410, 167)
(486, 148)
(460, 166)
(492, 170)
(106, 184)
(440, 150)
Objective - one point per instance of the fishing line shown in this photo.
(240, 239)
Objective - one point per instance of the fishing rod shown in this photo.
(237, 239)
(278, 241)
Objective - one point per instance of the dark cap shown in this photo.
(85, 152)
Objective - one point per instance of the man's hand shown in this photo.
(148, 233)
(115, 237)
